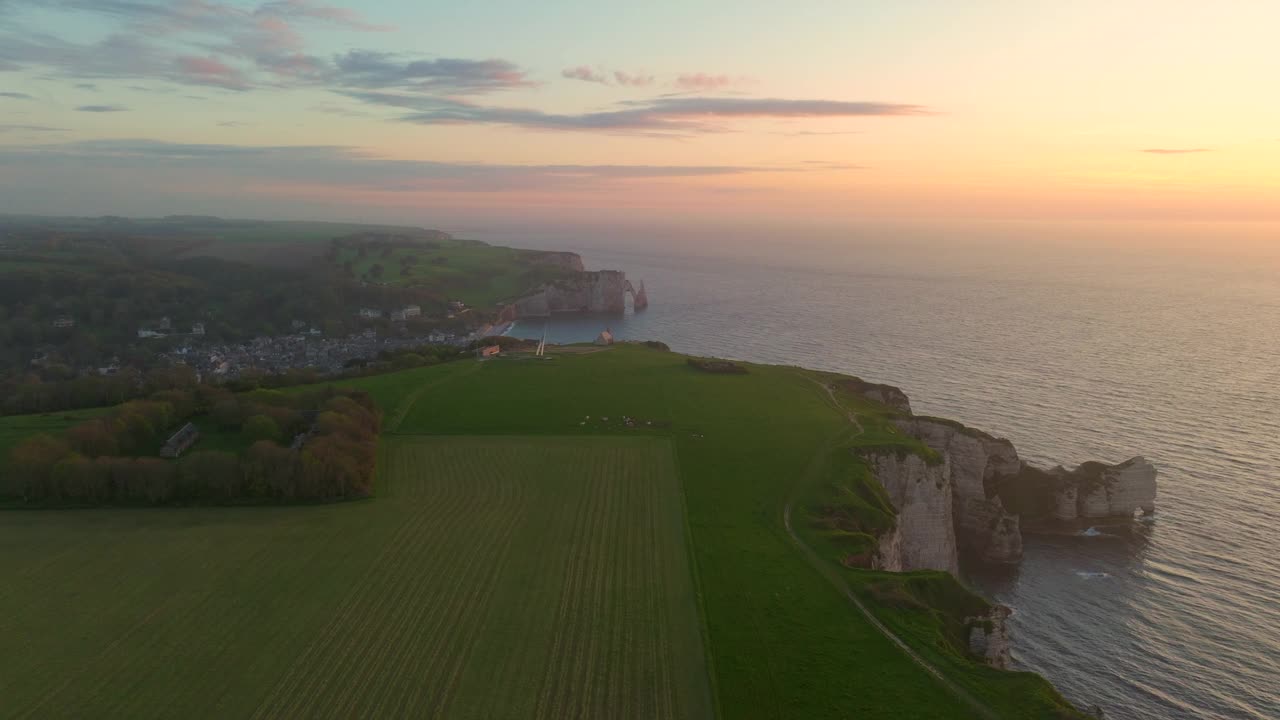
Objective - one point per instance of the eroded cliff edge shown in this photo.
(601, 291)
(972, 497)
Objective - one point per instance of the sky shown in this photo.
(746, 112)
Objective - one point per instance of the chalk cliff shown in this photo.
(975, 500)
(1095, 490)
(596, 291)
(923, 536)
(989, 637)
(983, 529)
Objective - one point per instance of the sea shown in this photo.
(1074, 350)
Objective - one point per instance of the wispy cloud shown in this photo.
(1174, 151)
(369, 69)
(102, 108)
(703, 81)
(16, 96)
(211, 71)
(305, 9)
(31, 128)
(632, 79)
(585, 73)
(340, 167)
(222, 44)
(657, 116)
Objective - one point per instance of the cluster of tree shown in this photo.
(410, 358)
(133, 427)
(334, 457)
(506, 342)
(58, 388)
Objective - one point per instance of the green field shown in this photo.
(529, 554)
(14, 428)
(494, 577)
(476, 273)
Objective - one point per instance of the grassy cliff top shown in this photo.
(780, 637)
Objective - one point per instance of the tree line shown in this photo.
(301, 447)
(58, 389)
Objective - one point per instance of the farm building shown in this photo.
(180, 441)
(605, 337)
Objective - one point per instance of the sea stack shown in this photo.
(640, 300)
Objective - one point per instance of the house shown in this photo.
(457, 306)
(165, 324)
(412, 311)
(148, 333)
(298, 324)
(64, 321)
(180, 441)
(197, 328)
(370, 313)
(605, 337)
(397, 316)
(490, 351)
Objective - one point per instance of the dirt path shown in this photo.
(402, 410)
(833, 576)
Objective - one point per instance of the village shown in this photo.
(306, 348)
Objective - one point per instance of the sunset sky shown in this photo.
(1152, 110)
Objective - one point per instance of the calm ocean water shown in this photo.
(1074, 355)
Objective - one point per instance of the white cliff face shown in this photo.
(889, 552)
(1093, 502)
(921, 495)
(600, 291)
(1131, 486)
(1065, 503)
(1104, 491)
(983, 527)
(989, 637)
(1005, 542)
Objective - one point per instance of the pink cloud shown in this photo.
(631, 80)
(210, 71)
(703, 81)
(586, 74)
(313, 11)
